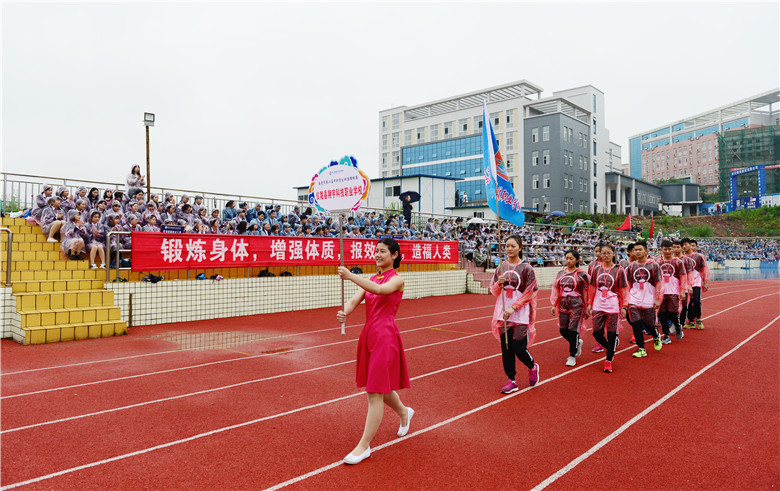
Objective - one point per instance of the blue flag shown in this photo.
(498, 189)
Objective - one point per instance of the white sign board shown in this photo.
(338, 188)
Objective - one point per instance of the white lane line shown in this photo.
(225, 387)
(595, 448)
(475, 410)
(269, 338)
(323, 403)
(241, 358)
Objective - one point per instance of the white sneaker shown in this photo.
(403, 430)
(570, 362)
(579, 349)
(93, 266)
(356, 459)
(51, 239)
(102, 266)
(17, 214)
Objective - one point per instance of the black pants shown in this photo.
(692, 306)
(572, 337)
(610, 342)
(640, 328)
(666, 319)
(517, 347)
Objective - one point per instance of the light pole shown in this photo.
(148, 121)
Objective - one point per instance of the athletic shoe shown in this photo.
(570, 361)
(598, 349)
(666, 340)
(102, 266)
(640, 353)
(93, 266)
(579, 348)
(699, 324)
(533, 375)
(632, 340)
(509, 387)
(679, 334)
(51, 239)
(688, 325)
(607, 366)
(657, 343)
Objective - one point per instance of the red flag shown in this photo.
(651, 229)
(626, 224)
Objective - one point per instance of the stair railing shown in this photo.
(119, 252)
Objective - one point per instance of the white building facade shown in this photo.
(415, 132)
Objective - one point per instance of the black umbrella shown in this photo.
(414, 196)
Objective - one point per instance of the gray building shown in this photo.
(626, 194)
(680, 199)
(557, 164)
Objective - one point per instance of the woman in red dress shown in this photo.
(381, 363)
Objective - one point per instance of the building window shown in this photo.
(510, 159)
(395, 140)
(534, 135)
(463, 124)
(546, 180)
(420, 135)
(546, 157)
(384, 142)
(546, 204)
(535, 204)
(384, 160)
(595, 193)
(510, 118)
(594, 147)
(407, 137)
(478, 122)
(385, 120)
(571, 182)
(448, 129)
(535, 158)
(396, 121)
(579, 161)
(535, 181)
(546, 133)
(510, 140)
(396, 158)
(585, 185)
(434, 132)
(594, 168)
(565, 182)
(496, 121)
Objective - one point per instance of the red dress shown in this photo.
(381, 363)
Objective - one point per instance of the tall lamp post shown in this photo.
(148, 121)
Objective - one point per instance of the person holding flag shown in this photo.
(514, 282)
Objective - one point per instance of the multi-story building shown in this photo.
(687, 149)
(749, 147)
(544, 141)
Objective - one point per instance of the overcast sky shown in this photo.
(253, 98)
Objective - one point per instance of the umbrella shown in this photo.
(474, 220)
(413, 195)
(557, 214)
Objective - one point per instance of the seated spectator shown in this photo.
(52, 218)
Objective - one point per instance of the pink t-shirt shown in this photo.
(642, 278)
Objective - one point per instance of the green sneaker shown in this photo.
(657, 343)
(688, 325)
(640, 353)
(699, 324)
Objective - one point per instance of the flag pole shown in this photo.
(341, 257)
(503, 296)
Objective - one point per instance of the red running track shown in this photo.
(275, 406)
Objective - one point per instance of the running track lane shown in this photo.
(360, 409)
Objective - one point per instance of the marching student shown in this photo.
(607, 301)
(699, 276)
(514, 315)
(591, 267)
(675, 283)
(644, 298)
(568, 297)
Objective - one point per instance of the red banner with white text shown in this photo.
(153, 251)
